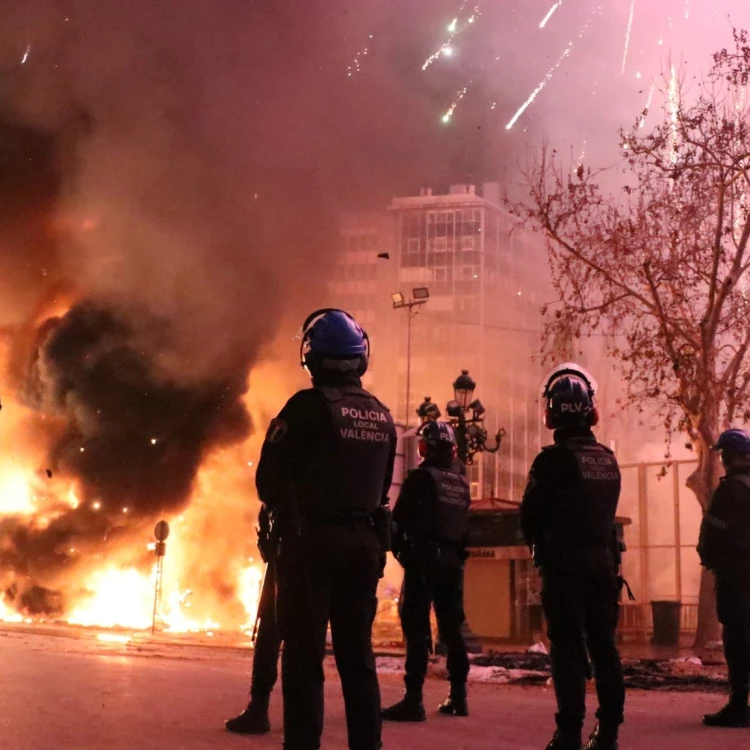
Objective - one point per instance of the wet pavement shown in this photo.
(63, 693)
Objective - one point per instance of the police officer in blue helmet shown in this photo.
(324, 474)
(568, 520)
(431, 521)
(724, 548)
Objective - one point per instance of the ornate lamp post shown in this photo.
(471, 435)
(471, 438)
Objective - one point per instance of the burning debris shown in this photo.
(643, 674)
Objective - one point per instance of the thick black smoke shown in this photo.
(134, 435)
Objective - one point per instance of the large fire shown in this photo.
(211, 580)
(122, 595)
(211, 576)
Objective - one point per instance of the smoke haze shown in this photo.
(169, 177)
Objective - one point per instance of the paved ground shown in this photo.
(60, 693)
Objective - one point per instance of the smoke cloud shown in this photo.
(150, 248)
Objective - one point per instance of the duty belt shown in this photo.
(358, 520)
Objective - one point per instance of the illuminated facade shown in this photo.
(487, 284)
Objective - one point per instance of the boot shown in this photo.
(604, 737)
(409, 708)
(734, 714)
(253, 720)
(566, 739)
(455, 704)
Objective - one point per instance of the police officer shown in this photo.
(431, 521)
(254, 719)
(724, 548)
(568, 519)
(324, 473)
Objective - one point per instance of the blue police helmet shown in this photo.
(734, 440)
(331, 334)
(437, 433)
(569, 403)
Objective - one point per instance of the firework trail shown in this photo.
(454, 29)
(460, 95)
(648, 104)
(26, 54)
(627, 37)
(550, 74)
(674, 106)
(550, 13)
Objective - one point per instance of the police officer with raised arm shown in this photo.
(324, 473)
(568, 519)
(431, 520)
(724, 548)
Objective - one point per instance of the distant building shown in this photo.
(487, 283)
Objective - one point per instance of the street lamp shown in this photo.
(428, 411)
(471, 436)
(420, 296)
(463, 389)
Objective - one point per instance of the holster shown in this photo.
(382, 525)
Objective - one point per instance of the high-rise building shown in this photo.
(487, 282)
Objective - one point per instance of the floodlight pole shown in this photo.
(411, 313)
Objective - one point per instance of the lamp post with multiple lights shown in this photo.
(471, 438)
(471, 435)
(420, 296)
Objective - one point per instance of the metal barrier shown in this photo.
(637, 623)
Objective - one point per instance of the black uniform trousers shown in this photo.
(329, 574)
(733, 608)
(439, 581)
(580, 597)
(267, 642)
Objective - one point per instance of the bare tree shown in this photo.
(660, 266)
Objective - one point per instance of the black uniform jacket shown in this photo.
(419, 515)
(571, 496)
(724, 541)
(312, 464)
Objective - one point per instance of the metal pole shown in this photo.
(644, 537)
(408, 363)
(157, 591)
(463, 447)
(677, 534)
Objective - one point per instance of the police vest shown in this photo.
(346, 469)
(449, 517)
(587, 505)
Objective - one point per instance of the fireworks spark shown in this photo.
(550, 13)
(627, 36)
(455, 27)
(26, 54)
(674, 106)
(550, 74)
(582, 156)
(648, 104)
(356, 65)
(460, 95)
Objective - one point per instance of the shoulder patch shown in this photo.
(276, 431)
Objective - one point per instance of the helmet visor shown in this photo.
(568, 368)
